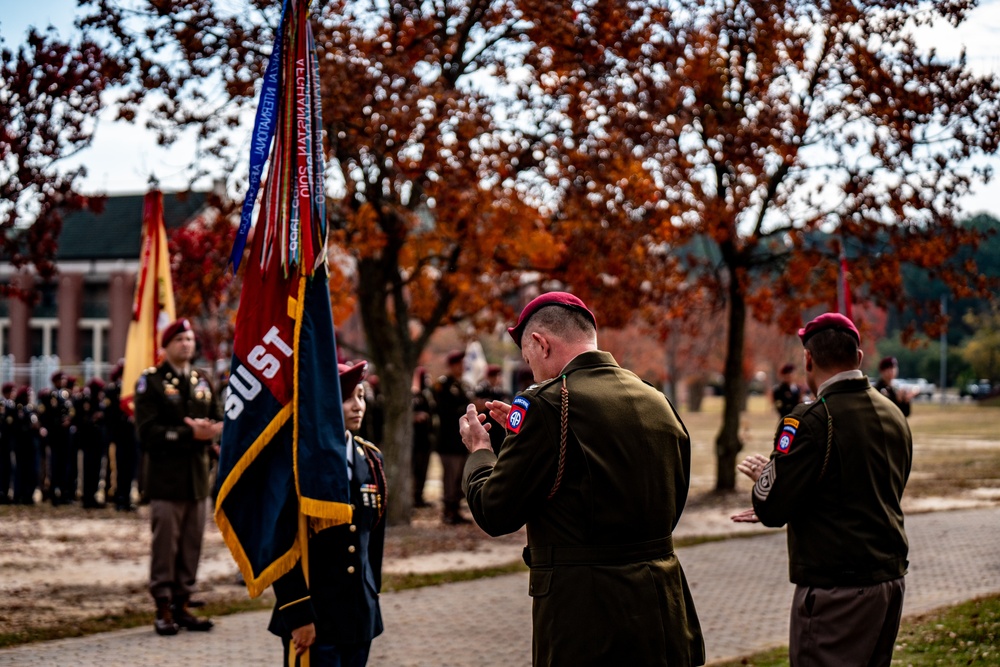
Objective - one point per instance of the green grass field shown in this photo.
(956, 448)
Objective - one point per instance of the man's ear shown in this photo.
(809, 361)
(543, 342)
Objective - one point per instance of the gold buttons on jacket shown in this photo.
(352, 528)
(351, 549)
(350, 569)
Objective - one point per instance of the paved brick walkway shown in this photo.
(740, 587)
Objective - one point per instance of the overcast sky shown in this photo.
(124, 156)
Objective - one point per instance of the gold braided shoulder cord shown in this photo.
(563, 430)
(829, 438)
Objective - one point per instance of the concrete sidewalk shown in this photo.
(740, 587)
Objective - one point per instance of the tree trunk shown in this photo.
(727, 444)
(393, 354)
(398, 446)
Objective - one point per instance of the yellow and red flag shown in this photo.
(153, 306)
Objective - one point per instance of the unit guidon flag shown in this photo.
(283, 457)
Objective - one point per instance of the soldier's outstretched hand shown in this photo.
(498, 411)
(746, 516)
(752, 466)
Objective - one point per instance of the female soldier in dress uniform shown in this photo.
(336, 615)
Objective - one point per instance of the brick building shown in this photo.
(84, 311)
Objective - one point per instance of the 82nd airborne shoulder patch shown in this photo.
(787, 435)
(516, 416)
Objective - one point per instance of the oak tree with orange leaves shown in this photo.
(747, 140)
(439, 139)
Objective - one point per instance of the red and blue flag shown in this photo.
(283, 461)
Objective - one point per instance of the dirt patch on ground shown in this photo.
(60, 566)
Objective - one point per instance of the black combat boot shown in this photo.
(185, 619)
(164, 623)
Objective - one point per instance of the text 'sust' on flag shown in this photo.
(153, 305)
(283, 460)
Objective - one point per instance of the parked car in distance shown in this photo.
(918, 387)
(980, 389)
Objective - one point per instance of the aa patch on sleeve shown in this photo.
(517, 411)
(786, 437)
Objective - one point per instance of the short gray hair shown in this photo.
(565, 323)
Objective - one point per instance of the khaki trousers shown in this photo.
(178, 528)
(850, 625)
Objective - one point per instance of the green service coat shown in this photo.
(177, 466)
(624, 483)
(836, 477)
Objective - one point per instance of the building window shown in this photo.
(42, 337)
(46, 306)
(96, 297)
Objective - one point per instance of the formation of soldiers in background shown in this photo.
(73, 442)
(69, 442)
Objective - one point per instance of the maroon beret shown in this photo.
(787, 368)
(456, 356)
(829, 321)
(888, 362)
(116, 372)
(57, 377)
(96, 384)
(493, 369)
(350, 377)
(563, 299)
(174, 328)
(8, 387)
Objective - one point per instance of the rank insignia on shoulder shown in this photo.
(791, 421)
(517, 411)
(786, 437)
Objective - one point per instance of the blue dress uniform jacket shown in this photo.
(845, 524)
(177, 463)
(607, 588)
(345, 566)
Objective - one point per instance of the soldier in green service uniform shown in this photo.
(178, 417)
(836, 478)
(596, 463)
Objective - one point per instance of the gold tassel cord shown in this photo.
(563, 431)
